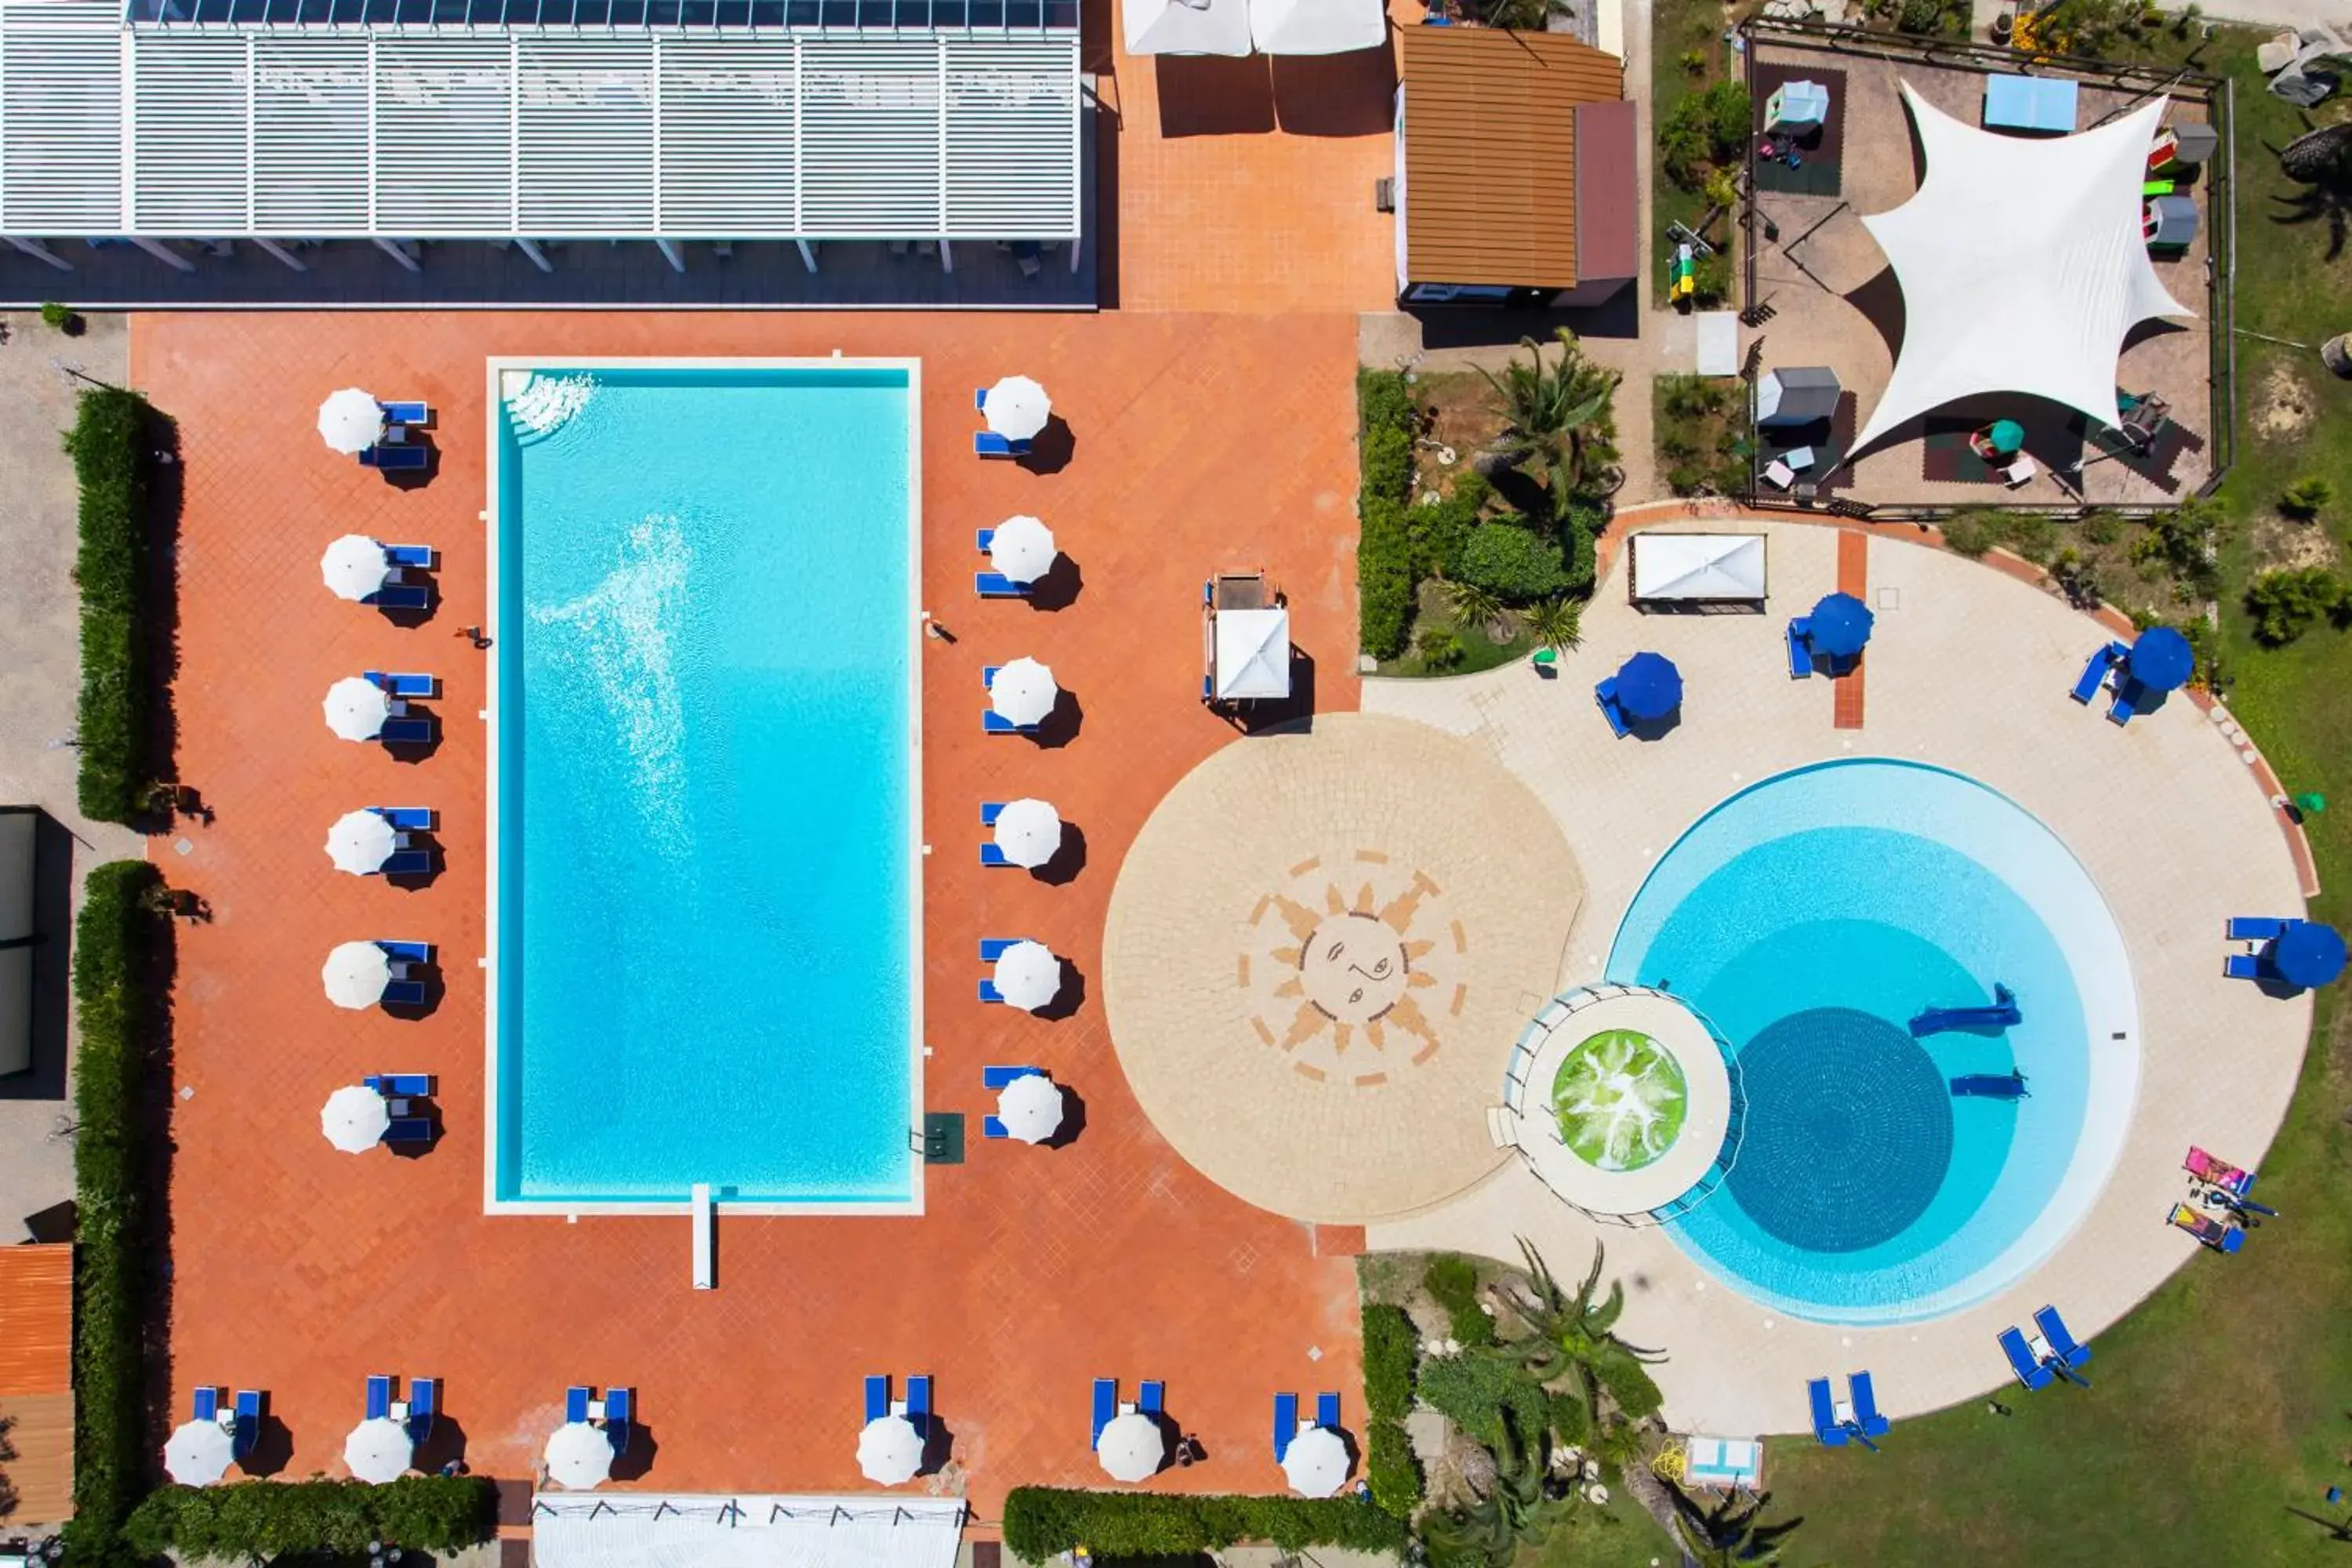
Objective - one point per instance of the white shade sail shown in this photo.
(378, 1450)
(1252, 653)
(1029, 832)
(1024, 692)
(198, 1453)
(1132, 1447)
(2021, 265)
(1023, 549)
(1031, 1108)
(350, 421)
(354, 566)
(1016, 408)
(355, 974)
(1316, 27)
(889, 1450)
(579, 1455)
(1698, 566)
(1181, 27)
(354, 1119)
(360, 842)
(356, 707)
(1315, 1463)
(1028, 975)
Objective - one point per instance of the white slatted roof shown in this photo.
(222, 132)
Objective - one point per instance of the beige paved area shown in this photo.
(1313, 949)
(1821, 317)
(2164, 816)
(40, 671)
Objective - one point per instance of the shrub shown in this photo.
(1451, 1281)
(1041, 1521)
(110, 451)
(2285, 604)
(2102, 527)
(61, 318)
(1970, 533)
(1384, 578)
(1693, 61)
(2306, 497)
(1439, 646)
(1710, 281)
(1709, 128)
(256, 1520)
(1384, 402)
(1390, 1466)
(1440, 532)
(1389, 1348)
(1629, 1385)
(1516, 565)
(1388, 465)
(120, 941)
(1478, 1392)
(1583, 526)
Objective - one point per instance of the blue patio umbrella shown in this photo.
(1649, 686)
(1840, 625)
(2310, 953)
(2160, 659)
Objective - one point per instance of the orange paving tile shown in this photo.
(1201, 443)
(1245, 185)
(1853, 577)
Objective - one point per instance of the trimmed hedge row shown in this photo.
(112, 458)
(1390, 1345)
(118, 940)
(256, 1519)
(1041, 1521)
(1387, 418)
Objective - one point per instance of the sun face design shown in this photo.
(1352, 984)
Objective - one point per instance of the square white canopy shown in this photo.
(1318, 27)
(1182, 27)
(1252, 653)
(1698, 566)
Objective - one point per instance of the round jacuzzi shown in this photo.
(1888, 1174)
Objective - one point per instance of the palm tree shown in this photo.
(1488, 1532)
(1571, 1338)
(1559, 415)
(1728, 1535)
(2321, 163)
(1555, 623)
(2312, 155)
(1473, 606)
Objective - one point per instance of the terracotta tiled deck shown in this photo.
(1201, 443)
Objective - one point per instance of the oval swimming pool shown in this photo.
(1811, 917)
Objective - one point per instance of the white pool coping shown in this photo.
(492, 447)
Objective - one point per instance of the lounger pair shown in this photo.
(403, 991)
(582, 1405)
(919, 1402)
(1285, 1418)
(1861, 1422)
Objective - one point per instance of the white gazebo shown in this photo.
(2021, 265)
(1251, 655)
(1187, 26)
(1318, 27)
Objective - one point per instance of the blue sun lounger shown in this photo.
(918, 1405)
(379, 1398)
(406, 818)
(992, 948)
(409, 1130)
(2029, 1371)
(576, 1400)
(403, 994)
(1327, 1411)
(1801, 652)
(396, 456)
(408, 863)
(2126, 706)
(989, 444)
(993, 1127)
(422, 556)
(998, 1077)
(1606, 695)
(1152, 1397)
(1106, 1406)
(424, 1403)
(413, 729)
(877, 1398)
(408, 951)
(2070, 1350)
(2095, 673)
(2241, 966)
(1868, 1422)
(207, 1404)
(620, 1404)
(411, 412)
(401, 596)
(989, 855)
(1285, 1424)
(400, 1085)
(252, 1405)
(1825, 1421)
(996, 585)
(2255, 927)
(983, 539)
(400, 684)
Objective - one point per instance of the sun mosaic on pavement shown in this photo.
(1352, 991)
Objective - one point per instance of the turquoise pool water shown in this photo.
(704, 786)
(1810, 917)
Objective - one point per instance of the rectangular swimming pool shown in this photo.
(706, 895)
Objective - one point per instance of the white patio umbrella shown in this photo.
(1016, 408)
(360, 842)
(1316, 1462)
(889, 1450)
(357, 707)
(1023, 549)
(354, 1119)
(350, 421)
(198, 1453)
(579, 1455)
(378, 1450)
(1029, 831)
(1024, 692)
(1028, 975)
(1132, 1448)
(1030, 1107)
(355, 974)
(354, 566)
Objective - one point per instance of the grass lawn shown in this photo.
(1480, 651)
(2226, 1400)
(1677, 28)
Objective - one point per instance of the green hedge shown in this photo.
(1041, 1521)
(1390, 1466)
(1387, 417)
(119, 943)
(112, 458)
(1390, 1343)
(254, 1520)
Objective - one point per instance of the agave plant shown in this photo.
(1557, 415)
(1473, 606)
(1488, 1532)
(1555, 623)
(1726, 1534)
(1571, 1338)
(2321, 163)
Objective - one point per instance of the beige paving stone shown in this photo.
(1969, 669)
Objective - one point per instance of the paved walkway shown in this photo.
(2164, 814)
(301, 1271)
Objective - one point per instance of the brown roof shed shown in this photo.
(1490, 131)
